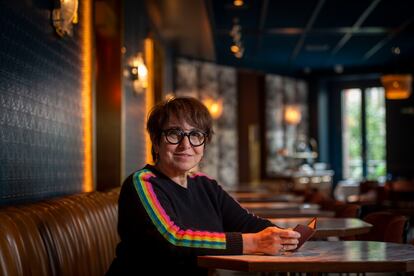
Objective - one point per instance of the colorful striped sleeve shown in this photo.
(173, 233)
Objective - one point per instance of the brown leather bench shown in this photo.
(72, 235)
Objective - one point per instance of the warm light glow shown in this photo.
(397, 87)
(293, 114)
(234, 48)
(149, 95)
(236, 34)
(238, 3)
(139, 73)
(87, 94)
(143, 72)
(214, 106)
(239, 54)
(75, 15)
(169, 96)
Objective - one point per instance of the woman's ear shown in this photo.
(155, 152)
(156, 148)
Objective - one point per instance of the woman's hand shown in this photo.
(270, 241)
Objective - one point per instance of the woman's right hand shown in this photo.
(270, 241)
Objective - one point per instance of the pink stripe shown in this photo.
(156, 203)
(196, 174)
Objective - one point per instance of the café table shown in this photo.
(266, 197)
(323, 256)
(292, 213)
(254, 206)
(328, 227)
(285, 209)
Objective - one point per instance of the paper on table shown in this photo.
(312, 223)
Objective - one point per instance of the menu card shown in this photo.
(306, 232)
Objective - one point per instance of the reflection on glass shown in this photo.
(352, 252)
(377, 251)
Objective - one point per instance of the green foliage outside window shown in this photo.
(375, 133)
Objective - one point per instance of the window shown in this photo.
(363, 133)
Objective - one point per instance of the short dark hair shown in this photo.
(185, 109)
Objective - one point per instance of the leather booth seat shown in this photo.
(72, 235)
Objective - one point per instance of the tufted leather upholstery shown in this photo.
(73, 235)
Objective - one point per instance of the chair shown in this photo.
(401, 193)
(314, 196)
(370, 208)
(367, 186)
(387, 227)
(347, 210)
(341, 209)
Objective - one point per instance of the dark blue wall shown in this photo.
(400, 138)
(41, 147)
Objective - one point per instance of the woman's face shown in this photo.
(182, 157)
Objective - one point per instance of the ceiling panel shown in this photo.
(332, 15)
(391, 13)
(279, 13)
(299, 36)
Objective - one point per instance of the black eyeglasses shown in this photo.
(174, 136)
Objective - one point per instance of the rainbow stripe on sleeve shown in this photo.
(173, 233)
(197, 174)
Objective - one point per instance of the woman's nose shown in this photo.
(185, 142)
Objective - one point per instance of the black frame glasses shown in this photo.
(175, 136)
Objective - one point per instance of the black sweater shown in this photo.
(164, 227)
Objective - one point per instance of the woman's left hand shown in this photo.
(270, 241)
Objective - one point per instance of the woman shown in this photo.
(168, 216)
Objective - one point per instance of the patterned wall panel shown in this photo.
(186, 78)
(227, 128)
(275, 134)
(281, 91)
(41, 146)
(201, 80)
(133, 107)
(208, 88)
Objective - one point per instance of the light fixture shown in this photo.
(236, 47)
(214, 106)
(397, 87)
(64, 14)
(238, 3)
(292, 114)
(138, 73)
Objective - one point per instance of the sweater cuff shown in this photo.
(234, 243)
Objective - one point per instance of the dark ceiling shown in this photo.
(316, 36)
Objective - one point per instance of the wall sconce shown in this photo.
(236, 47)
(64, 14)
(397, 87)
(292, 114)
(138, 73)
(214, 106)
